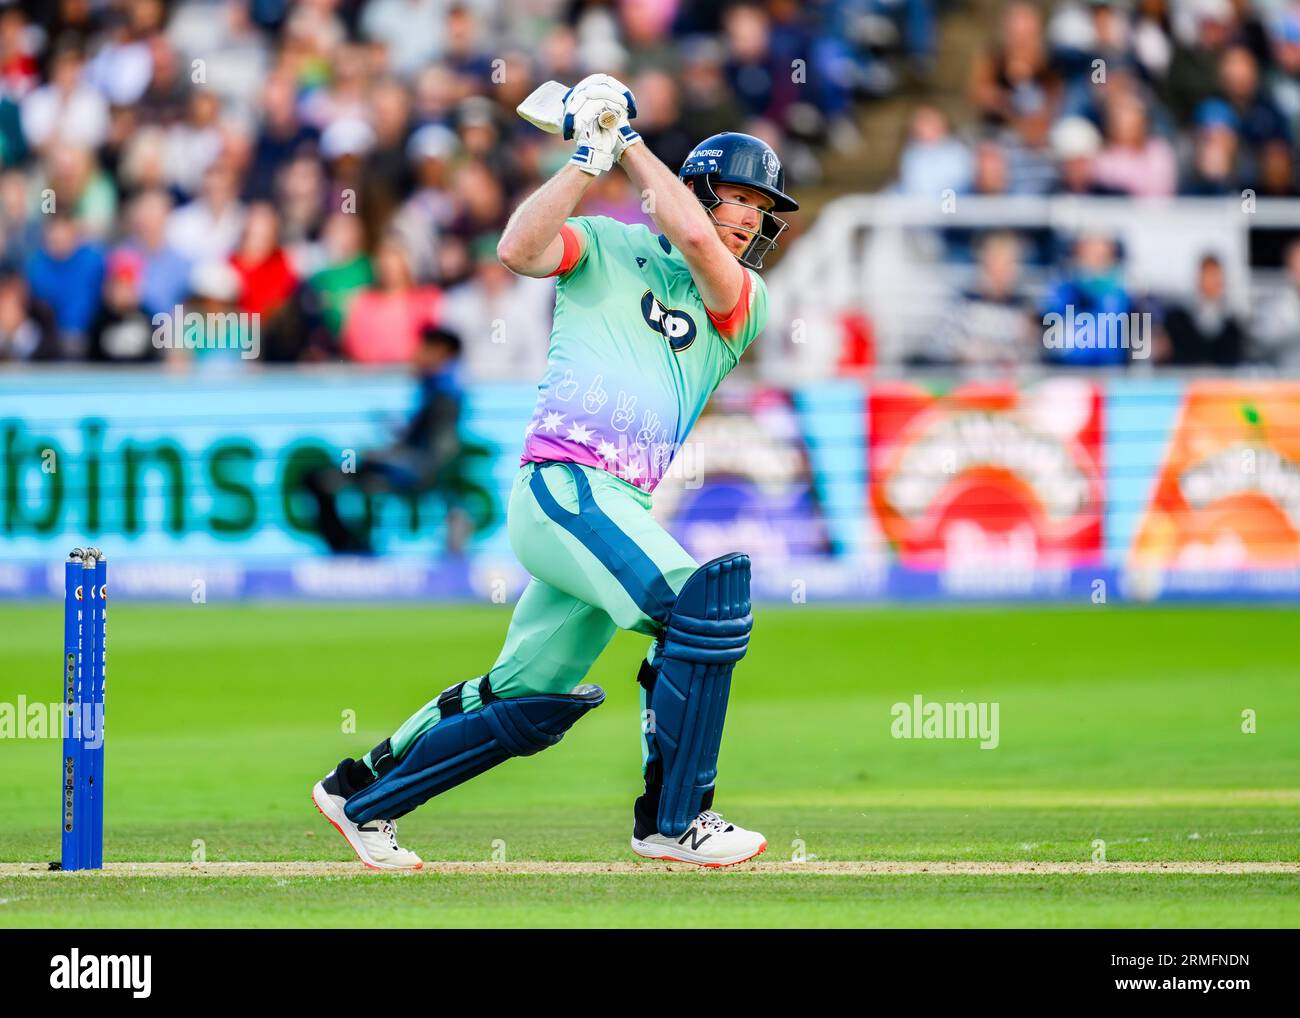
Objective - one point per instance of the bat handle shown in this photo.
(608, 119)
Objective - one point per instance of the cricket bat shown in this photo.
(544, 108)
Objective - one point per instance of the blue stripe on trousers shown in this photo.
(624, 558)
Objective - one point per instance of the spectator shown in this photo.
(1132, 162)
(1276, 171)
(27, 329)
(19, 69)
(142, 161)
(429, 211)
(345, 144)
(1014, 85)
(383, 325)
(346, 273)
(707, 104)
(343, 96)
(1193, 68)
(1261, 121)
(837, 68)
(164, 272)
(268, 284)
(208, 228)
(408, 30)
(502, 317)
(480, 201)
(750, 67)
(991, 176)
(67, 111)
(1090, 287)
(214, 298)
(1099, 32)
(421, 458)
(933, 161)
(234, 51)
(167, 95)
(1214, 152)
(66, 272)
(1075, 144)
(1277, 327)
(386, 163)
(659, 119)
(123, 331)
(645, 31)
(989, 324)
(463, 51)
(20, 229)
(480, 138)
(192, 145)
(1205, 331)
(84, 189)
(302, 196)
(13, 146)
(312, 32)
(267, 280)
(1153, 47)
(123, 66)
(282, 137)
(1285, 54)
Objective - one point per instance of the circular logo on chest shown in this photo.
(675, 326)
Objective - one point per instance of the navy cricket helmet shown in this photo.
(735, 158)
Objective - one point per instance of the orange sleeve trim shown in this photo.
(572, 251)
(731, 323)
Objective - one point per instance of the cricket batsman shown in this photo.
(646, 326)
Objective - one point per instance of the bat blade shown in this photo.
(544, 106)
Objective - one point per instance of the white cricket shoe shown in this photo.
(709, 841)
(375, 841)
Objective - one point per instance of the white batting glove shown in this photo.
(595, 93)
(595, 151)
(587, 125)
(626, 137)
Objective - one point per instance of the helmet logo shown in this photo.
(770, 164)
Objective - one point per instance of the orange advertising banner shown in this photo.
(999, 475)
(1227, 496)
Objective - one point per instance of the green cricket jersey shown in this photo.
(634, 354)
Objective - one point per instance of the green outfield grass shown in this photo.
(1118, 725)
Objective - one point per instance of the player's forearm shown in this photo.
(689, 227)
(531, 244)
(676, 210)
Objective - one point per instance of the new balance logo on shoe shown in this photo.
(696, 842)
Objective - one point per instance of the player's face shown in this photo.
(739, 215)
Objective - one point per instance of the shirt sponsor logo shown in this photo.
(675, 326)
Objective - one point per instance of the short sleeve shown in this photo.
(579, 236)
(746, 320)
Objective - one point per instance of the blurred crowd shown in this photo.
(1081, 312)
(337, 172)
(1139, 99)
